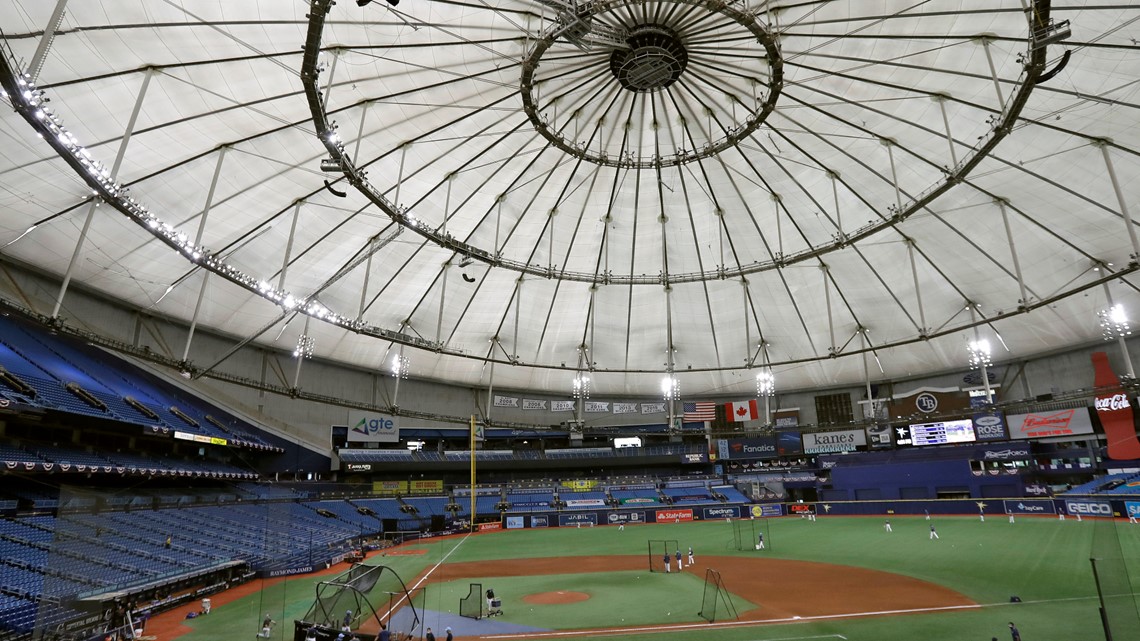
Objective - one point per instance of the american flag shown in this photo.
(696, 412)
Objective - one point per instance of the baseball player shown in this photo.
(887, 525)
(1061, 513)
(693, 561)
(1011, 517)
(927, 513)
(667, 566)
(760, 541)
(933, 533)
(680, 565)
(1131, 517)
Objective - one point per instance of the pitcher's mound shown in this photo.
(555, 598)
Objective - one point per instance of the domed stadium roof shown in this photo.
(630, 187)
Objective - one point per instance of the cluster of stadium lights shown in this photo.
(305, 346)
(765, 384)
(400, 364)
(1114, 322)
(581, 385)
(979, 353)
(671, 388)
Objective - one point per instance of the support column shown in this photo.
(360, 131)
(367, 275)
(779, 230)
(400, 175)
(827, 300)
(835, 195)
(888, 143)
(399, 373)
(983, 368)
(328, 85)
(1013, 252)
(993, 72)
(1119, 338)
(518, 306)
(1120, 198)
(941, 100)
(917, 288)
(289, 245)
(95, 202)
(747, 322)
(198, 243)
(300, 355)
(46, 40)
(866, 369)
(491, 381)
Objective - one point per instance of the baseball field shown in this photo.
(837, 577)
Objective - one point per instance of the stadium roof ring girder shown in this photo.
(1001, 125)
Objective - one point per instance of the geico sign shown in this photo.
(1094, 509)
(1111, 403)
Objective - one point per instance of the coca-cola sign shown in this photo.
(1112, 403)
(1114, 411)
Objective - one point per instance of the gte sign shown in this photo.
(372, 427)
(1112, 403)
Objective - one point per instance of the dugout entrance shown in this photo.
(659, 551)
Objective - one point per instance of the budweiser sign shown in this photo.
(1112, 403)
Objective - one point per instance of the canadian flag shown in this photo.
(742, 411)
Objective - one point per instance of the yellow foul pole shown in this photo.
(472, 473)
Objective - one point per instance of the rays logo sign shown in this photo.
(372, 427)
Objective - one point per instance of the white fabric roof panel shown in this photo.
(448, 79)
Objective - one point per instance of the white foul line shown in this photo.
(435, 567)
(733, 624)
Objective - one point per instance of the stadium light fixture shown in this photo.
(305, 346)
(581, 385)
(670, 388)
(765, 384)
(979, 353)
(400, 365)
(1114, 322)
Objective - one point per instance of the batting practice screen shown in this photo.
(658, 551)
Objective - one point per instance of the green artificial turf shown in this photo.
(1042, 560)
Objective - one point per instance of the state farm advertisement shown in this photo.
(664, 516)
(1048, 424)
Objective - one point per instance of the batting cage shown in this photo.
(471, 606)
(1118, 606)
(746, 534)
(660, 549)
(365, 596)
(716, 603)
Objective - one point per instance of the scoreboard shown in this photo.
(943, 432)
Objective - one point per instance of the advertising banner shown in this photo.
(529, 504)
(694, 457)
(389, 487)
(801, 508)
(664, 516)
(1014, 451)
(642, 500)
(771, 509)
(990, 426)
(585, 503)
(372, 427)
(1132, 508)
(357, 467)
(617, 518)
(1045, 424)
(487, 527)
(750, 448)
(1029, 506)
(515, 522)
(727, 512)
(580, 484)
(787, 419)
(879, 436)
(540, 520)
(1088, 507)
(1115, 411)
(580, 518)
(842, 441)
(1036, 489)
(788, 443)
(423, 485)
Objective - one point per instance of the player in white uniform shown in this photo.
(693, 561)
(887, 526)
(933, 533)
